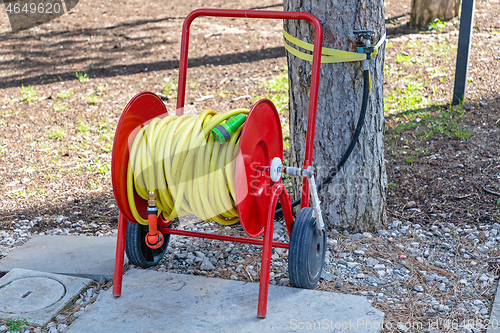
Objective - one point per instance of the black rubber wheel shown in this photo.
(138, 253)
(306, 254)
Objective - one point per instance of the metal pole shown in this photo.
(463, 52)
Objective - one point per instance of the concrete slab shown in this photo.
(494, 321)
(165, 302)
(83, 256)
(37, 296)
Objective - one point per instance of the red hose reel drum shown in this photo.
(139, 111)
(261, 141)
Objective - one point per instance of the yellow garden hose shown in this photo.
(190, 172)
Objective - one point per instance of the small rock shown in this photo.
(351, 265)
(102, 281)
(359, 252)
(383, 232)
(3, 328)
(89, 293)
(207, 266)
(328, 276)
(284, 282)
(430, 313)
(442, 286)
(411, 204)
(60, 318)
(418, 289)
(371, 262)
(395, 224)
(402, 328)
(338, 285)
(77, 314)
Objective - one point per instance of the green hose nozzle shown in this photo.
(222, 132)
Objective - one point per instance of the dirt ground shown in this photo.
(56, 129)
(55, 146)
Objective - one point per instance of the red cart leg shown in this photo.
(265, 266)
(278, 189)
(120, 255)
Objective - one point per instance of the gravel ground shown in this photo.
(435, 278)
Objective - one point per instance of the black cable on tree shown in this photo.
(334, 171)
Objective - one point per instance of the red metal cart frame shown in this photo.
(277, 190)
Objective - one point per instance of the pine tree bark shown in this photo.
(425, 11)
(355, 200)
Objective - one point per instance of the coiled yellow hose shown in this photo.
(191, 173)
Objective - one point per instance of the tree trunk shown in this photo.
(355, 199)
(425, 11)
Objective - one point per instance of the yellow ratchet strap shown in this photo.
(328, 55)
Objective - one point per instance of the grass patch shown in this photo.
(224, 93)
(424, 123)
(100, 166)
(106, 135)
(56, 133)
(169, 86)
(409, 98)
(59, 106)
(83, 77)
(286, 142)
(406, 59)
(28, 94)
(437, 25)
(65, 94)
(15, 325)
(93, 99)
(277, 91)
(81, 127)
(411, 159)
(447, 122)
(22, 194)
(94, 185)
